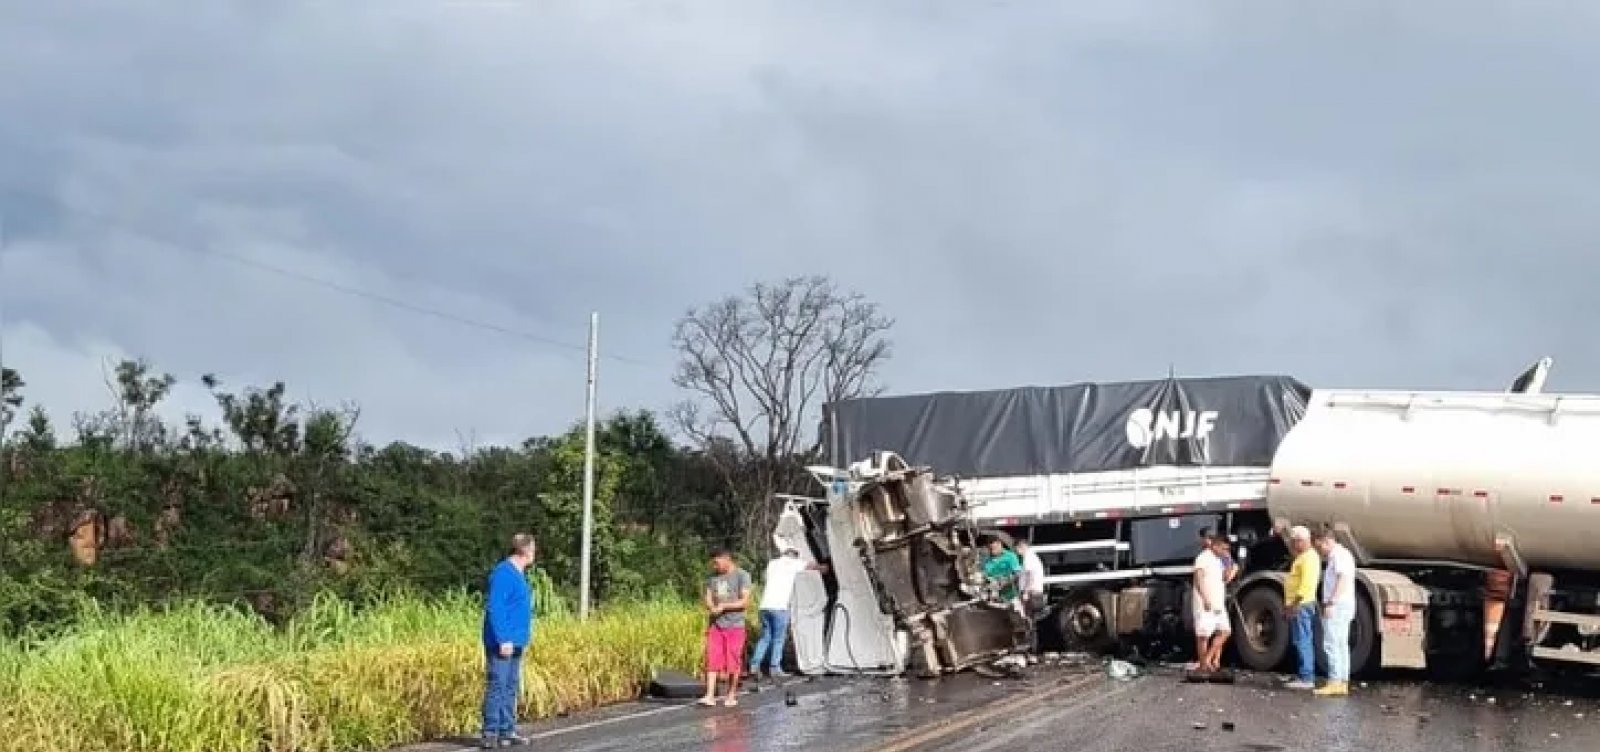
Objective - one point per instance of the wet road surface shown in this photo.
(828, 715)
(1159, 712)
(1156, 712)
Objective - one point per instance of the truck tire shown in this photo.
(1261, 635)
(1083, 624)
(1364, 653)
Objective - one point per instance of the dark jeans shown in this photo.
(503, 676)
(774, 630)
(1301, 627)
(1033, 606)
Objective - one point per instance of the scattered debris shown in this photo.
(1227, 725)
(789, 698)
(1121, 670)
(1199, 726)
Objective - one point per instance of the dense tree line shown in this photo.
(280, 501)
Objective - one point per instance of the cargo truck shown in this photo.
(1471, 514)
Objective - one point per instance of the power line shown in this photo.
(208, 250)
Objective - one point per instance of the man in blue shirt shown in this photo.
(507, 629)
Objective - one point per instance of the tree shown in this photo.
(39, 435)
(131, 422)
(11, 385)
(260, 419)
(757, 367)
(137, 394)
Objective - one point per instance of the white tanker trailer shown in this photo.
(1456, 505)
(1471, 514)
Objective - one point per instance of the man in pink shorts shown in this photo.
(727, 593)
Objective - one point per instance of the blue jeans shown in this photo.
(1336, 640)
(1300, 628)
(774, 630)
(502, 678)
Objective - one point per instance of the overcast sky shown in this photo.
(1039, 192)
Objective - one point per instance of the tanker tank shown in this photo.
(1431, 476)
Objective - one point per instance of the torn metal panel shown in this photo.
(919, 548)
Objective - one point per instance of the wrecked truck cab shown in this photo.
(916, 557)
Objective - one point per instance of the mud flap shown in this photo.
(1400, 614)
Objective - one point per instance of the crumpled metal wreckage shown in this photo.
(922, 554)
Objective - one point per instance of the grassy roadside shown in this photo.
(197, 678)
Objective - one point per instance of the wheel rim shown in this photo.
(1261, 630)
(1085, 621)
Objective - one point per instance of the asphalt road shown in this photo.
(1159, 712)
(827, 715)
(1156, 712)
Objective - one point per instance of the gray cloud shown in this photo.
(1379, 195)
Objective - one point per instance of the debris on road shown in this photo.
(1121, 670)
(677, 685)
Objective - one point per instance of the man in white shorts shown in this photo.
(1208, 605)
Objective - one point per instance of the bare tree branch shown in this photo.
(758, 365)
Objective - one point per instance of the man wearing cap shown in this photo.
(1300, 604)
(776, 591)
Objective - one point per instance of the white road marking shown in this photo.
(628, 717)
(606, 722)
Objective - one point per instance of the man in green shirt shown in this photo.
(1002, 567)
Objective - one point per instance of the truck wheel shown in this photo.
(1262, 635)
(1364, 652)
(1084, 627)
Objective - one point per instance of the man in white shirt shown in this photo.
(777, 588)
(1338, 601)
(1032, 586)
(1208, 604)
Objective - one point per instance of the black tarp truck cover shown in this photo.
(1230, 421)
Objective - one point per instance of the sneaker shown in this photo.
(487, 742)
(513, 740)
(1300, 684)
(1333, 689)
(777, 674)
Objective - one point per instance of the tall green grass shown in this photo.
(199, 678)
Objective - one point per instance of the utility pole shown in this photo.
(588, 472)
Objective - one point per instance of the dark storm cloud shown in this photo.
(1367, 196)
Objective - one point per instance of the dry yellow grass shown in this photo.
(205, 679)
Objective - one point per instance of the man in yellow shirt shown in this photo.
(1300, 604)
